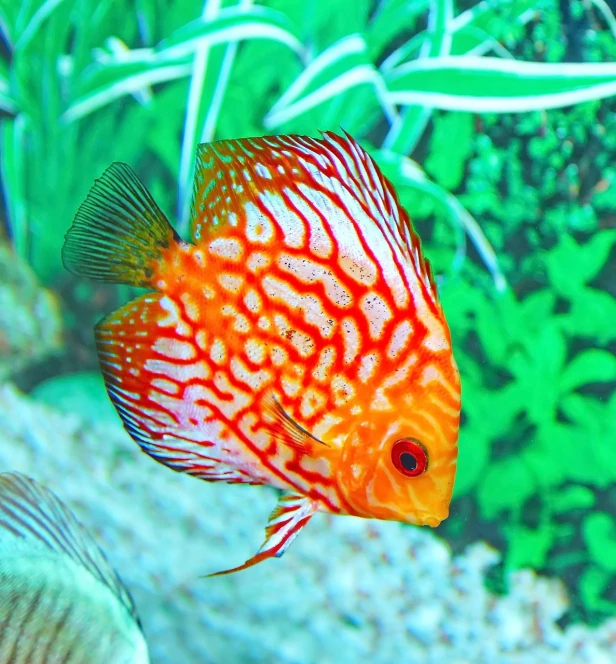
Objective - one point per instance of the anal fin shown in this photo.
(169, 427)
(290, 515)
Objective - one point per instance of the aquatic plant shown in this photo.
(535, 192)
(66, 83)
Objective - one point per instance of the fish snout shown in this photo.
(432, 517)
(430, 520)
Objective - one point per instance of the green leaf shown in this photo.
(402, 170)
(450, 146)
(572, 498)
(571, 265)
(473, 457)
(486, 24)
(13, 177)
(575, 453)
(344, 65)
(590, 366)
(537, 369)
(407, 129)
(121, 74)
(7, 102)
(536, 309)
(528, 547)
(592, 315)
(391, 18)
(208, 83)
(232, 24)
(507, 484)
(40, 15)
(593, 583)
(109, 82)
(493, 85)
(599, 533)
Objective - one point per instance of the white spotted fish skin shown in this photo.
(292, 342)
(60, 601)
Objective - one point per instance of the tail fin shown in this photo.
(119, 232)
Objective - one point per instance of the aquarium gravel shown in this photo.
(355, 591)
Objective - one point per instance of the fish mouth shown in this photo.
(427, 519)
(430, 520)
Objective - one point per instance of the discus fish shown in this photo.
(297, 340)
(60, 600)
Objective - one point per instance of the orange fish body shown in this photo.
(297, 341)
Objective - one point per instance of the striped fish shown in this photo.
(60, 601)
(297, 340)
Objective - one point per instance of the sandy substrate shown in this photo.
(348, 590)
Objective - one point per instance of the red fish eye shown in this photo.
(409, 457)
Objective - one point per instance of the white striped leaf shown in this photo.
(232, 24)
(120, 74)
(344, 65)
(405, 170)
(495, 85)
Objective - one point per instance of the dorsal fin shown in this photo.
(119, 233)
(230, 174)
(39, 521)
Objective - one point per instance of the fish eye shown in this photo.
(409, 457)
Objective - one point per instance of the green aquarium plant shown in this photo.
(501, 148)
(225, 69)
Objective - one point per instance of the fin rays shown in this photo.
(118, 232)
(32, 513)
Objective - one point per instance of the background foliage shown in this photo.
(497, 123)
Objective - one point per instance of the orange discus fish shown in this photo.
(296, 340)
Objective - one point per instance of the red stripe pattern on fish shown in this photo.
(296, 341)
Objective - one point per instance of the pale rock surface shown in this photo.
(348, 591)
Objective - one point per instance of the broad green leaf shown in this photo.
(574, 453)
(494, 85)
(231, 24)
(592, 315)
(344, 65)
(506, 485)
(107, 83)
(590, 366)
(475, 31)
(599, 533)
(391, 18)
(537, 366)
(536, 309)
(528, 547)
(130, 72)
(594, 418)
(406, 130)
(572, 497)
(450, 146)
(473, 458)
(594, 581)
(571, 265)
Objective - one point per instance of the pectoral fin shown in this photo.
(286, 520)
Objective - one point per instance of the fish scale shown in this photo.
(295, 341)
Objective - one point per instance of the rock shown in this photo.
(348, 590)
(30, 321)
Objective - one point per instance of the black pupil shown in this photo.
(408, 461)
